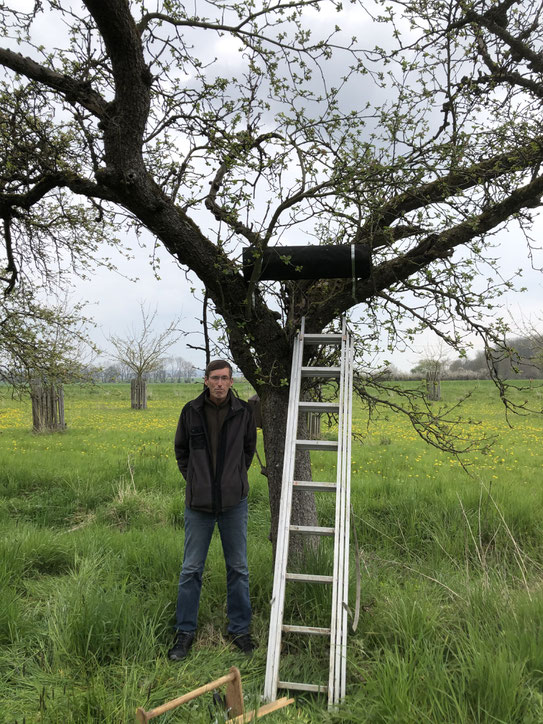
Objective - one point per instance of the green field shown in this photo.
(451, 622)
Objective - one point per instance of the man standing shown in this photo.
(214, 445)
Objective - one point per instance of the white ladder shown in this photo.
(337, 632)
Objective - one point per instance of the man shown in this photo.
(214, 445)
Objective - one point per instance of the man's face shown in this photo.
(219, 383)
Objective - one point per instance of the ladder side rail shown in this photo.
(338, 651)
(335, 655)
(348, 448)
(281, 555)
(333, 679)
(341, 533)
(341, 651)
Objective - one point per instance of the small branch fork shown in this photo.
(240, 30)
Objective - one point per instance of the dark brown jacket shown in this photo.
(235, 450)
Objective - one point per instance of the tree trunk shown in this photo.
(47, 407)
(138, 394)
(274, 405)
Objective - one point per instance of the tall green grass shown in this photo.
(91, 545)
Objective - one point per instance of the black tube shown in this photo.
(348, 261)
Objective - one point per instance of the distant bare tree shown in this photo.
(111, 373)
(178, 369)
(185, 369)
(526, 350)
(142, 351)
(433, 366)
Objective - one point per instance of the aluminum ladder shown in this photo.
(339, 580)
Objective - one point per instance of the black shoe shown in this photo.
(181, 646)
(244, 642)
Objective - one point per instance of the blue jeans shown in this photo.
(199, 528)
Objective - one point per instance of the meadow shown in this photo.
(451, 569)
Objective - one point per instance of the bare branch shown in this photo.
(142, 351)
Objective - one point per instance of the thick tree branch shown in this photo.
(49, 182)
(72, 90)
(127, 116)
(510, 162)
(432, 248)
(11, 272)
(438, 246)
(495, 21)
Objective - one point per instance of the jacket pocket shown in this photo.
(199, 483)
(244, 481)
(245, 488)
(197, 438)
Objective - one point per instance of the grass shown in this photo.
(91, 544)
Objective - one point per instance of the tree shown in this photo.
(183, 369)
(433, 366)
(474, 368)
(111, 373)
(525, 357)
(520, 358)
(41, 348)
(535, 348)
(142, 351)
(39, 340)
(422, 147)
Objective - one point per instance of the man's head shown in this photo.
(218, 380)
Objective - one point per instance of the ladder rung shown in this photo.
(317, 688)
(318, 406)
(314, 487)
(312, 529)
(321, 371)
(308, 578)
(317, 444)
(317, 630)
(323, 338)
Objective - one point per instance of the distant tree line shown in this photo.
(169, 369)
(521, 359)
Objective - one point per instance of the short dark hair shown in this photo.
(217, 364)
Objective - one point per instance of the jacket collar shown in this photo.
(198, 402)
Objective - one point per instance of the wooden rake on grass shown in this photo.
(234, 701)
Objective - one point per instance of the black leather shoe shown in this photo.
(244, 642)
(181, 646)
